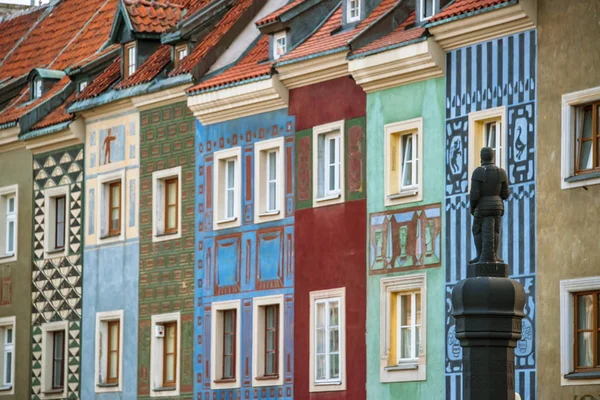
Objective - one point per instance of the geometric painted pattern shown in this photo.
(57, 282)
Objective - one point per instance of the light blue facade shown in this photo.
(245, 262)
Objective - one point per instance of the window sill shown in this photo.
(5, 388)
(7, 256)
(583, 375)
(164, 389)
(267, 378)
(226, 220)
(53, 391)
(114, 235)
(583, 177)
(328, 383)
(330, 197)
(164, 235)
(227, 380)
(403, 194)
(269, 213)
(57, 250)
(107, 385)
(402, 367)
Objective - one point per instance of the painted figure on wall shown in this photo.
(489, 189)
(106, 146)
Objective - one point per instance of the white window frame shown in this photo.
(101, 343)
(328, 131)
(50, 196)
(261, 180)
(393, 132)
(158, 204)
(7, 192)
(349, 10)
(181, 52)
(477, 121)
(47, 348)
(156, 357)
(258, 339)
(338, 294)
(219, 185)
(216, 348)
(82, 85)
(102, 217)
(38, 87)
(5, 323)
(276, 38)
(570, 102)
(422, 9)
(403, 372)
(132, 59)
(568, 288)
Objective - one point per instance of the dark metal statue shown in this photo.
(489, 189)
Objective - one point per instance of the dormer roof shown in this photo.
(153, 16)
(46, 73)
(461, 7)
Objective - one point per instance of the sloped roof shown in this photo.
(58, 115)
(153, 16)
(460, 7)
(212, 38)
(149, 69)
(15, 27)
(325, 39)
(273, 16)
(102, 81)
(398, 36)
(249, 67)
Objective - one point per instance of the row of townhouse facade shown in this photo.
(261, 199)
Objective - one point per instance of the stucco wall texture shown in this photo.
(422, 99)
(16, 275)
(567, 219)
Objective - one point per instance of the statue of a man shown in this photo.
(489, 189)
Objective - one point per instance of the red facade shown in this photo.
(330, 241)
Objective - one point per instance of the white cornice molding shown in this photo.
(239, 101)
(74, 134)
(486, 26)
(9, 139)
(400, 66)
(161, 98)
(313, 70)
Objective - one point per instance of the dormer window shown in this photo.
(427, 9)
(279, 45)
(38, 88)
(82, 86)
(181, 52)
(130, 59)
(353, 10)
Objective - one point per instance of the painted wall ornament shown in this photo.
(489, 189)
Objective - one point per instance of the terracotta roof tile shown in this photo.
(465, 6)
(399, 35)
(148, 70)
(15, 27)
(21, 104)
(273, 16)
(323, 40)
(248, 68)
(58, 115)
(212, 38)
(102, 81)
(153, 16)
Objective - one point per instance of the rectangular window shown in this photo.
(427, 9)
(587, 140)
(271, 339)
(272, 203)
(353, 7)
(269, 179)
(491, 138)
(58, 359)
(171, 205)
(181, 52)
(38, 87)
(487, 128)
(279, 45)
(230, 195)
(328, 164)
(327, 339)
(130, 59)
(114, 208)
(229, 344)
(226, 188)
(170, 355)
(166, 204)
(586, 345)
(8, 355)
(82, 86)
(11, 222)
(408, 326)
(332, 164)
(59, 223)
(408, 160)
(267, 340)
(112, 359)
(403, 151)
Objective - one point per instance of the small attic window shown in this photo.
(181, 52)
(279, 45)
(352, 10)
(130, 62)
(82, 86)
(427, 9)
(37, 88)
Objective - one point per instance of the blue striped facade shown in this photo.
(500, 72)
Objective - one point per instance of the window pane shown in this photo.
(270, 364)
(172, 193)
(334, 366)
(405, 306)
(171, 217)
(427, 8)
(116, 195)
(585, 310)
(585, 161)
(418, 307)
(320, 315)
(114, 337)
(270, 340)
(334, 340)
(60, 234)
(9, 335)
(406, 351)
(228, 367)
(10, 246)
(11, 205)
(230, 203)
(418, 341)
(170, 365)
(587, 123)
(272, 196)
(8, 368)
(114, 217)
(272, 165)
(320, 341)
(321, 366)
(271, 316)
(228, 321)
(585, 349)
(112, 372)
(333, 314)
(230, 174)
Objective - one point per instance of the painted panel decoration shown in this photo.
(406, 239)
(57, 281)
(497, 73)
(112, 144)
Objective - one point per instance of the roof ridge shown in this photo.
(165, 4)
(7, 17)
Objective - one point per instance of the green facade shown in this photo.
(166, 282)
(423, 99)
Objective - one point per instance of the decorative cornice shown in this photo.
(313, 70)
(9, 139)
(486, 26)
(161, 98)
(73, 133)
(239, 101)
(400, 66)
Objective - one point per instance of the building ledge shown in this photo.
(60, 135)
(313, 70)
(400, 66)
(485, 26)
(9, 138)
(239, 101)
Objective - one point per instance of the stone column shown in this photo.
(488, 308)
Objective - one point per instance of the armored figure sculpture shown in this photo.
(489, 189)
